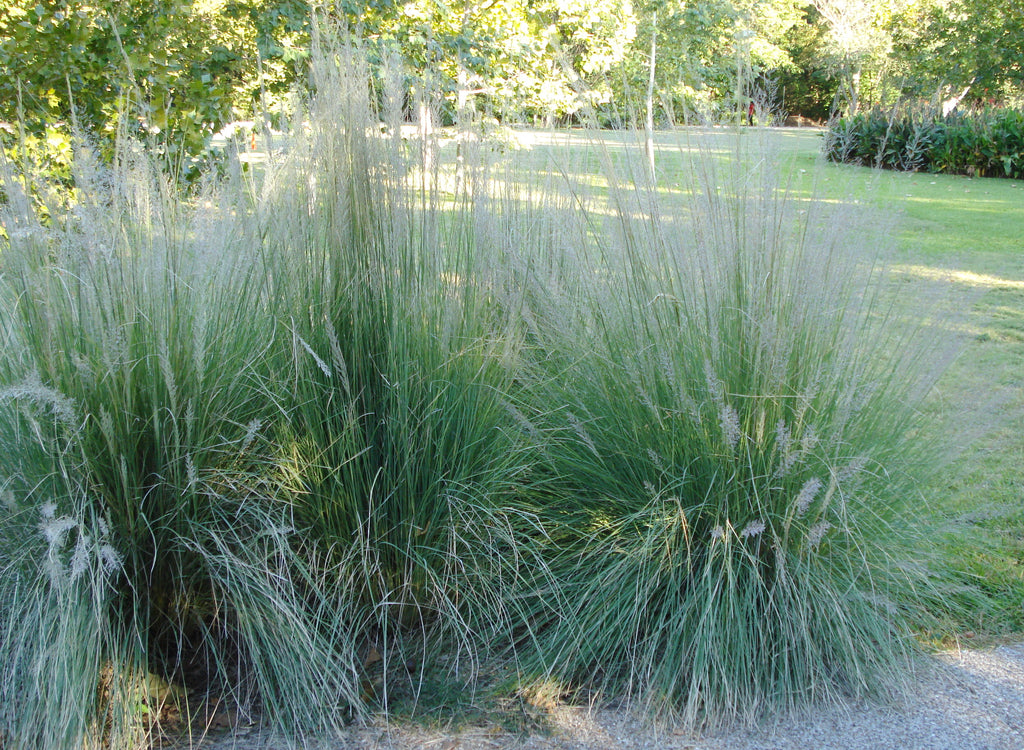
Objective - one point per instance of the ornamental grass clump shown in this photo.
(394, 436)
(730, 442)
(284, 396)
(141, 533)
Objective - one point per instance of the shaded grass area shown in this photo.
(981, 493)
(969, 231)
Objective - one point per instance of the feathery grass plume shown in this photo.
(58, 587)
(753, 320)
(808, 493)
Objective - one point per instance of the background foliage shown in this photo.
(982, 143)
(178, 70)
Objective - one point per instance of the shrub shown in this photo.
(985, 143)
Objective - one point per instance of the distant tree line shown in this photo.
(178, 70)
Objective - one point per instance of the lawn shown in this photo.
(967, 234)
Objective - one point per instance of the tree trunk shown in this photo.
(855, 90)
(650, 94)
(948, 105)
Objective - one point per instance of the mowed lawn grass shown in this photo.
(958, 249)
(972, 232)
(968, 235)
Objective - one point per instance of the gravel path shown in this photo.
(973, 701)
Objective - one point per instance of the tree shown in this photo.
(65, 62)
(961, 48)
(853, 38)
(699, 44)
(578, 43)
(649, 98)
(172, 71)
(807, 85)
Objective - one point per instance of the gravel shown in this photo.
(973, 700)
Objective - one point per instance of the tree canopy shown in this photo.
(178, 70)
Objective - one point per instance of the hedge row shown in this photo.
(982, 143)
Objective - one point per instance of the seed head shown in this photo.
(110, 558)
(522, 421)
(56, 529)
(810, 440)
(783, 438)
(852, 469)
(656, 460)
(713, 383)
(729, 421)
(190, 471)
(817, 533)
(807, 494)
(752, 529)
(338, 357)
(319, 362)
(32, 390)
(250, 433)
(80, 558)
(582, 433)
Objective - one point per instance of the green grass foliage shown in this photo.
(726, 433)
(983, 143)
(136, 337)
(375, 401)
